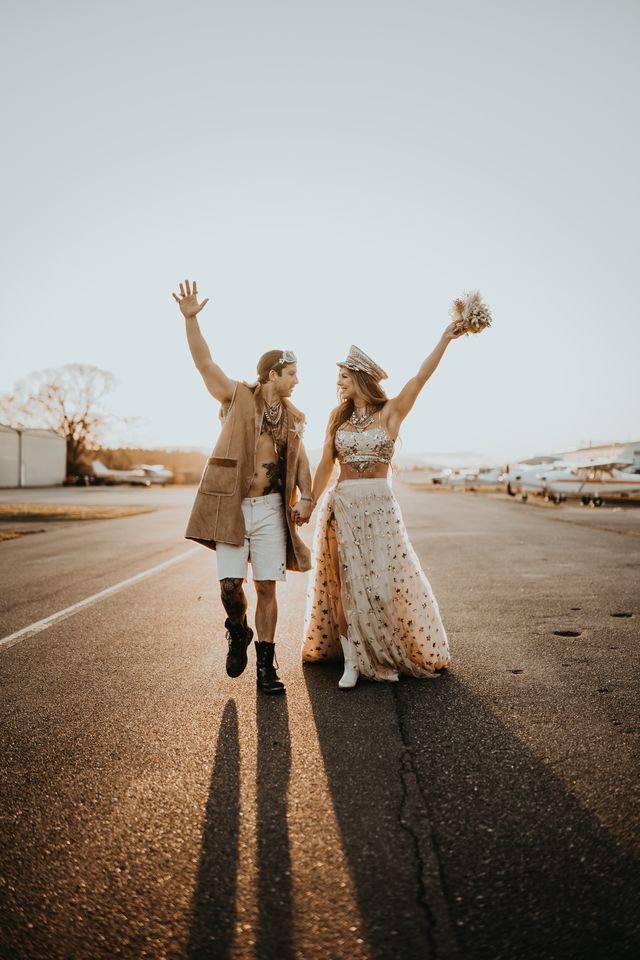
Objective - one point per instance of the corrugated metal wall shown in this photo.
(31, 458)
(9, 457)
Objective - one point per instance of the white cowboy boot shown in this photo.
(350, 676)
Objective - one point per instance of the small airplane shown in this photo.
(143, 475)
(442, 476)
(469, 478)
(593, 481)
(156, 472)
(488, 477)
(463, 478)
(590, 482)
(523, 478)
(453, 477)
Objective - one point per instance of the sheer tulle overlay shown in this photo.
(388, 603)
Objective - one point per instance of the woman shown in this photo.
(369, 594)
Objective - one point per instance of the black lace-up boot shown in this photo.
(268, 680)
(239, 636)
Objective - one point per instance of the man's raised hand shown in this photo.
(188, 300)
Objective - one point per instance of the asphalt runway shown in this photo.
(154, 808)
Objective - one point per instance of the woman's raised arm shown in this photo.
(398, 407)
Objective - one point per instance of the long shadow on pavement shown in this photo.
(362, 762)
(530, 872)
(527, 872)
(274, 885)
(214, 903)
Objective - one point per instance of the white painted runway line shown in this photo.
(69, 611)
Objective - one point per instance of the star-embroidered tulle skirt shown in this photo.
(363, 559)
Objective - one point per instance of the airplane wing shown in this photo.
(602, 464)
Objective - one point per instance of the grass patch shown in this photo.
(47, 511)
(14, 534)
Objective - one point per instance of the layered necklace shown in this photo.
(273, 413)
(361, 420)
(275, 422)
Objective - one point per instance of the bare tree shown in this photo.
(68, 400)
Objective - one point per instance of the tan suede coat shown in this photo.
(227, 476)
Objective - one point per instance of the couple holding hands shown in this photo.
(369, 599)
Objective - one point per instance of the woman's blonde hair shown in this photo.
(372, 394)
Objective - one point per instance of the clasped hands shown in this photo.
(301, 512)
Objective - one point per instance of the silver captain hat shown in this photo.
(358, 360)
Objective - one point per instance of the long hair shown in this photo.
(372, 393)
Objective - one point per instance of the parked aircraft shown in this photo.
(489, 477)
(523, 478)
(463, 478)
(442, 476)
(156, 472)
(469, 479)
(143, 475)
(590, 482)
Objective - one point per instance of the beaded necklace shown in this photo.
(273, 413)
(275, 423)
(362, 421)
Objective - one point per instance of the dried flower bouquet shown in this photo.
(470, 313)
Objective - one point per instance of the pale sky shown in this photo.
(330, 173)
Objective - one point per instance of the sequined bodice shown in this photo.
(362, 447)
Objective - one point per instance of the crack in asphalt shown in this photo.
(415, 820)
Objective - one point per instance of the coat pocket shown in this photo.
(220, 476)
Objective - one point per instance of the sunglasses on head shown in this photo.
(288, 356)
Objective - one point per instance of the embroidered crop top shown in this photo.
(361, 448)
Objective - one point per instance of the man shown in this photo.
(243, 508)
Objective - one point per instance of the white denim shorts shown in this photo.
(265, 542)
